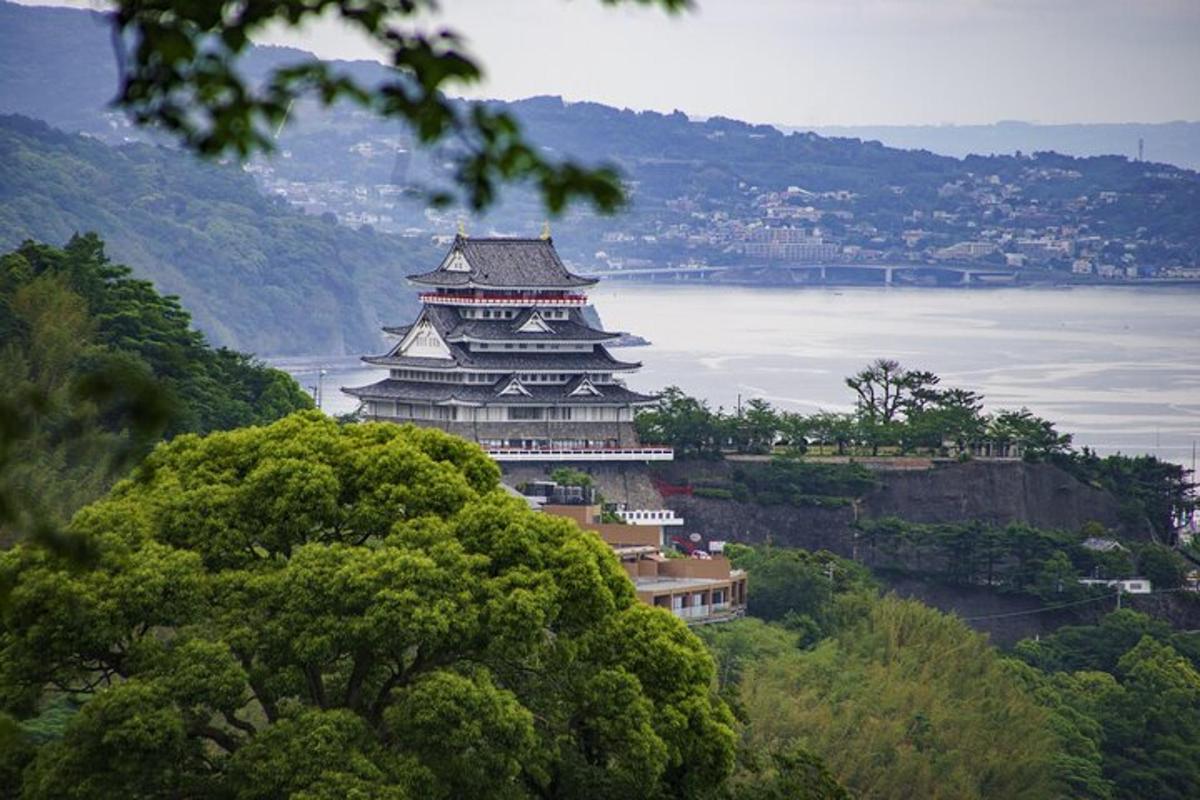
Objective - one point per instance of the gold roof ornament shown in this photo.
(462, 229)
(546, 230)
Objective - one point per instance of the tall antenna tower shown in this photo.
(1141, 149)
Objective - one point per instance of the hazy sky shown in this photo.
(830, 62)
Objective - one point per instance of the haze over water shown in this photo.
(1117, 367)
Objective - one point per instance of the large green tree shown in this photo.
(320, 611)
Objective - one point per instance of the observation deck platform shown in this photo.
(581, 453)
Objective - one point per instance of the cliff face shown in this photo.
(994, 492)
(997, 492)
(1041, 495)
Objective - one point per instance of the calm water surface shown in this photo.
(1117, 367)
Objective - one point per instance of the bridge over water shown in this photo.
(811, 274)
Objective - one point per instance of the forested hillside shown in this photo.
(904, 701)
(256, 274)
(95, 367)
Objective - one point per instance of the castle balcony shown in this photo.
(517, 300)
(581, 454)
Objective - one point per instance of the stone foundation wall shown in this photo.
(619, 482)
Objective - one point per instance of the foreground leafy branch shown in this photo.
(181, 71)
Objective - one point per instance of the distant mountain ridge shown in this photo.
(255, 273)
(716, 192)
(71, 49)
(1175, 143)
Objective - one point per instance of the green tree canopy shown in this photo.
(315, 610)
(1038, 436)
(1136, 679)
(907, 703)
(885, 390)
(814, 594)
(687, 424)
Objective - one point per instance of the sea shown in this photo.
(1116, 367)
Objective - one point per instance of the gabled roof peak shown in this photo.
(582, 386)
(511, 386)
(502, 262)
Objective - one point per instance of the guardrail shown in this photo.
(649, 517)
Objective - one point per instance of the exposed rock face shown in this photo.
(994, 492)
(1041, 495)
(811, 528)
(997, 492)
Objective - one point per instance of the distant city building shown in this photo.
(1045, 249)
(789, 244)
(966, 250)
(501, 354)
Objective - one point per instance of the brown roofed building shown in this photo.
(698, 590)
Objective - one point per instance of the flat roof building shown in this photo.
(697, 590)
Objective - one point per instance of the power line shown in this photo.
(1068, 605)
(1043, 608)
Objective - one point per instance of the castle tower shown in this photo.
(502, 354)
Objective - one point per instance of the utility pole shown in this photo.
(1118, 597)
(321, 387)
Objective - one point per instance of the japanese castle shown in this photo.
(501, 354)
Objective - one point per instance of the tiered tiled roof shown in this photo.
(441, 338)
(453, 328)
(503, 263)
(537, 394)
(598, 360)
